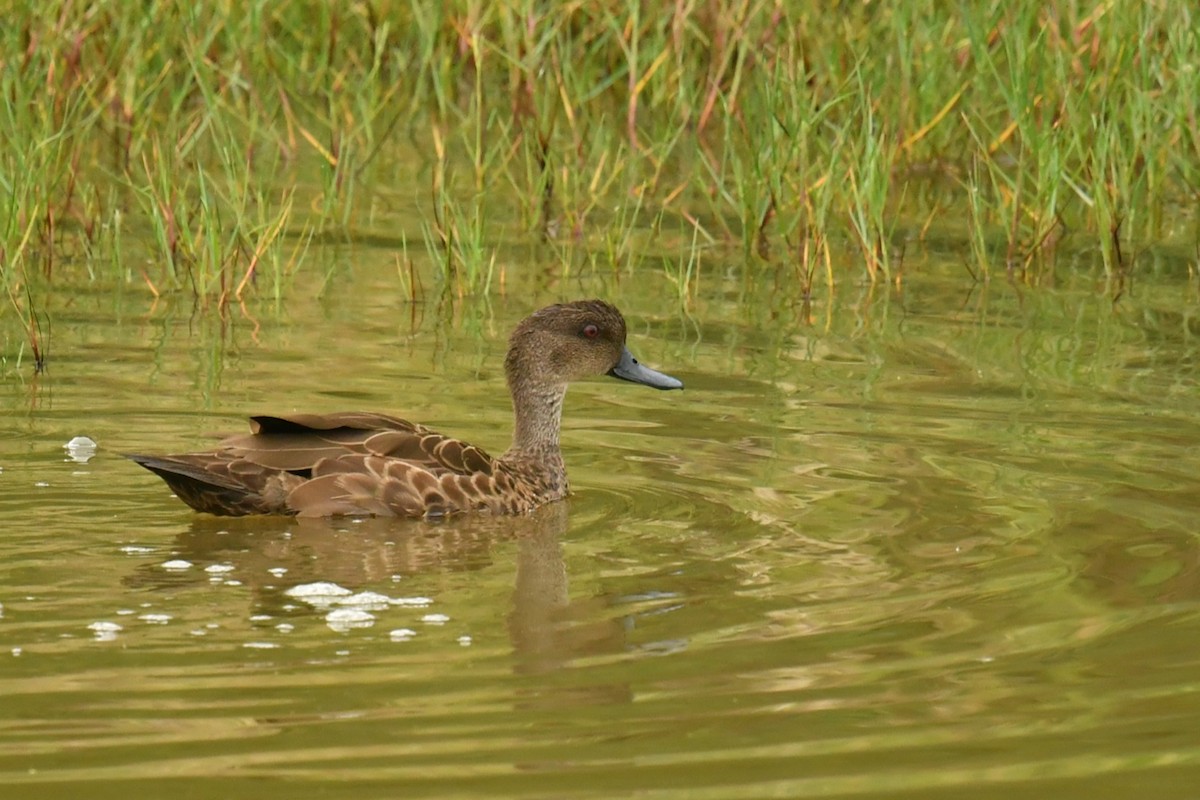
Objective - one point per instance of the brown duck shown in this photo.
(360, 463)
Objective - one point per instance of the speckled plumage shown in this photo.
(360, 463)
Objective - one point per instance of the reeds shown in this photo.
(196, 147)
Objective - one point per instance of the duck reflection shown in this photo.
(270, 555)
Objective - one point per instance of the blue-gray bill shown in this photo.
(628, 369)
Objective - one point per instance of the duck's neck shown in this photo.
(537, 410)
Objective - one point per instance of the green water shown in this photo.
(928, 542)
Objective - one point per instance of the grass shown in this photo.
(197, 148)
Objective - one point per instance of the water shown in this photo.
(900, 544)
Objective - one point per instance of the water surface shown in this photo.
(911, 542)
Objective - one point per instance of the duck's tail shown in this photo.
(205, 489)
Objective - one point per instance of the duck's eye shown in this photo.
(590, 331)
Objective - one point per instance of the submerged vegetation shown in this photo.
(199, 147)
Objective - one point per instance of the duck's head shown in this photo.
(562, 343)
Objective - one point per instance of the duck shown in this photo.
(373, 464)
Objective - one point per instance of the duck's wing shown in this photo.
(359, 463)
(385, 486)
(296, 443)
(259, 472)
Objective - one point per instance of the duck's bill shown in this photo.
(628, 369)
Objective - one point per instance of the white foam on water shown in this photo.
(345, 619)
